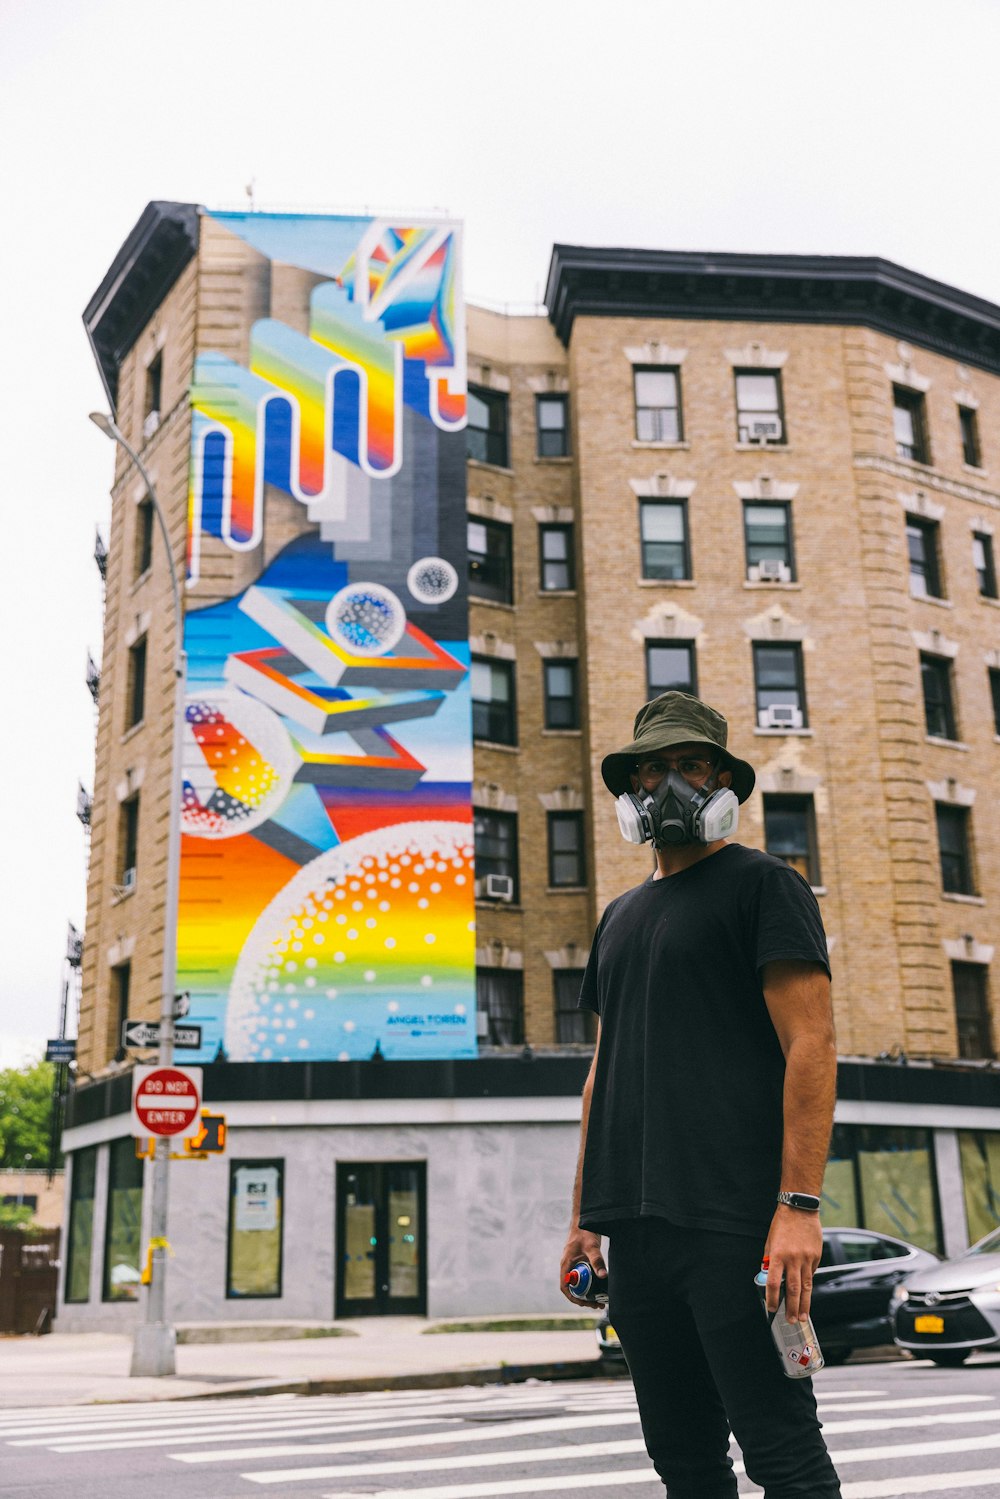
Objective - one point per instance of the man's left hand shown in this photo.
(794, 1244)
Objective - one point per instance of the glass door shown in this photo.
(381, 1237)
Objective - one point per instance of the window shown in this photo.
(136, 690)
(500, 997)
(122, 1260)
(968, 425)
(562, 704)
(790, 833)
(909, 425)
(663, 529)
(574, 1027)
(495, 837)
(128, 841)
(552, 425)
(658, 416)
(767, 532)
(80, 1235)
(486, 433)
(555, 549)
(939, 711)
(781, 696)
(861, 1249)
(670, 667)
(994, 675)
(121, 982)
(153, 402)
(953, 844)
(256, 1201)
(982, 558)
(567, 866)
(881, 1177)
(759, 412)
(980, 1156)
(491, 574)
(144, 519)
(925, 569)
(493, 712)
(972, 1010)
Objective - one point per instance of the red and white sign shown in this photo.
(166, 1101)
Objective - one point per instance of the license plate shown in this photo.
(928, 1324)
(610, 1336)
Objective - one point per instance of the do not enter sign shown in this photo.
(166, 1101)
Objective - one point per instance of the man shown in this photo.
(711, 1091)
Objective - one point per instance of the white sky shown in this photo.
(783, 125)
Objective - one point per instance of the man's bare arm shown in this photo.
(581, 1244)
(798, 1001)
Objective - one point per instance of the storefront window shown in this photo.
(840, 1198)
(882, 1178)
(80, 1235)
(123, 1232)
(980, 1154)
(256, 1198)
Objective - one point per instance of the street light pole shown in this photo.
(153, 1349)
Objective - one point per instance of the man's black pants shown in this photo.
(703, 1362)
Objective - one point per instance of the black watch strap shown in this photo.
(804, 1201)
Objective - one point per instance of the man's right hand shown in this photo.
(581, 1245)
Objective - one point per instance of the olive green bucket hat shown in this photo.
(675, 718)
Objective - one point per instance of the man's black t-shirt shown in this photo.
(686, 1113)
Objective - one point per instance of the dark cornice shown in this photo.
(141, 274)
(844, 289)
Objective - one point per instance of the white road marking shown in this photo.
(931, 1418)
(306, 1428)
(915, 1483)
(575, 1481)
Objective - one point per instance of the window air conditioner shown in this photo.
(780, 716)
(762, 429)
(151, 423)
(499, 887)
(128, 879)
(482, 1025)
(771, 571)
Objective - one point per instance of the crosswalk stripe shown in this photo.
(930, 1418)
(889, 1488)
(575, 1481)
(910, 1403)
(306, 1428)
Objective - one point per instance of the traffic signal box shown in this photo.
(210, 1139)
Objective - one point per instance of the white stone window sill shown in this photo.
(557, 593)
(788, 587)
(493, 744)
(985, 598)
(963, 900)
(976, 470)
(491, 468)
(131, 732)
(557, 458)
(784, 733)
(475, 598)
(141, 579)
(676, 447)
(666, 583)
(566, 889)
(571, 734)
(927, 598)
(948, 743)
(120, 893)
(918, 468)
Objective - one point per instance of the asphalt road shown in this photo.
(895, 1429)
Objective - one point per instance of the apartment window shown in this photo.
(494, 714)
(759, 410)
(256, 1211)
(562, 699)
(486, 433)
(909, 424)
(968, 424)
(790, 833)
(80, 1235)
(972, 1010)
(495, 839)
(491, 573)
(664, 534)
(994, 676)
(123, 1224)
(566, 858)
(555, 550)
(881, 1177)
(128, 841)
(939, 708)
(983, 561)
(552, 426)
(670, 667)
(153, 403)
(136, 690)
(953, 844)
(500, 997)
(658, 415)
(767, 533)
(574, 1027)
(144, 521)
(780, 684)
(121, 982)
(925, 565)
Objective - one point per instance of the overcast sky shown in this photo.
(855, 128)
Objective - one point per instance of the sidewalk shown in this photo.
(378, 1353)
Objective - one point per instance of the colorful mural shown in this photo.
(326, 904)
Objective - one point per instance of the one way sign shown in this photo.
(137, 1034)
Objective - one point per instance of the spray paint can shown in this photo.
(796, 1342)
(583, 1285)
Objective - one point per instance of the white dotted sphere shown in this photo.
(240, 748)
(365, 619)
(432, 580)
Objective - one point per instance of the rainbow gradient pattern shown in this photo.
(327, 879)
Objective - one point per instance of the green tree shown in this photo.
(25, 1116)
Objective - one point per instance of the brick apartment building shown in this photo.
(772, 481)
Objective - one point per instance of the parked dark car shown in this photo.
(852, 1291)
(946, 1312)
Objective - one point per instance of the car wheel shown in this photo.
(833, 1356)
(949, 1358)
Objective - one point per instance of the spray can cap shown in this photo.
(765, 1262)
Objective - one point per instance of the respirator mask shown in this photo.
(677, 813)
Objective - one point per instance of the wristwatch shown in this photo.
(804, 1201)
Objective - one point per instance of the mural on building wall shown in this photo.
(326, 873)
